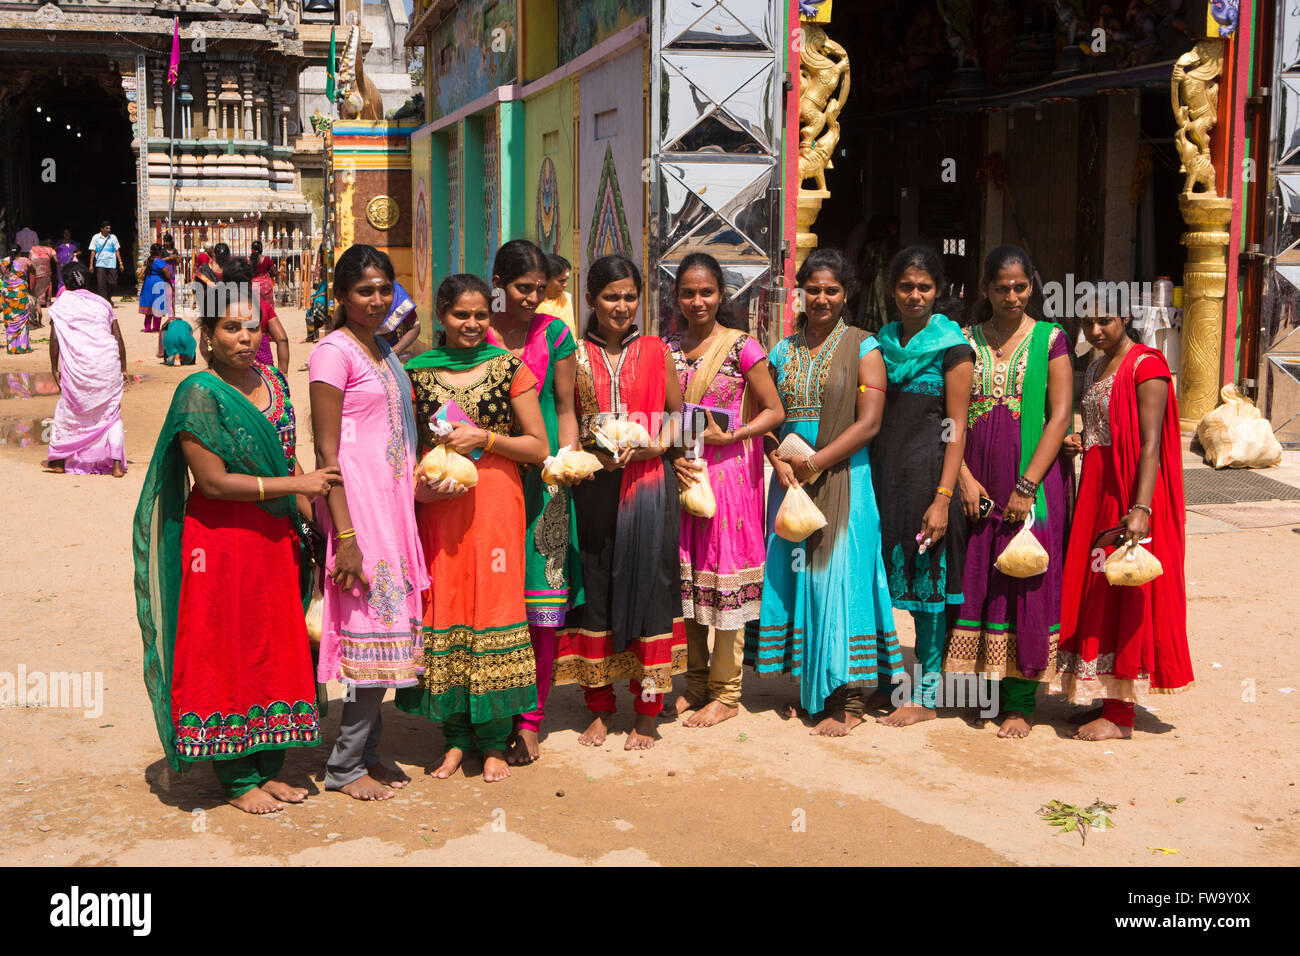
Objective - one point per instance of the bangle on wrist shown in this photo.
(1146, 508)
(343, 535)
(941, 490)
(261, 490)
(811, 463)
(491, 438)
(1026, 486)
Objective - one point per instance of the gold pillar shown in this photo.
(1205, 280)
(1194, 91)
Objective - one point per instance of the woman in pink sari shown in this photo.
(88, 359)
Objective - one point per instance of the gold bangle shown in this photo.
(350, 533)
(944, 491)
(492, 437)
(261, 490)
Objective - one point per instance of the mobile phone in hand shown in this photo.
(986, 505)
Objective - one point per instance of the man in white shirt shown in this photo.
(106, 258)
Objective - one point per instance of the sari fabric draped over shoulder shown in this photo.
(88, 435)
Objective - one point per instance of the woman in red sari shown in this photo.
(1120, 643)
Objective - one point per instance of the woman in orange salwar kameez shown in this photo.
(478, 655)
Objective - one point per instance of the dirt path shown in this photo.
(1212, 773)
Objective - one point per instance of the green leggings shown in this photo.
(241, 774)
(460, 732)
(931, 638)
(1016, 693)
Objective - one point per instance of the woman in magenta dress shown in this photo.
(720, 366)
(1020, 409)
(363, 420)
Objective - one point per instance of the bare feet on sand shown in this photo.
(714, 712)
(367, 788)
(257, 801)
(596, 732)
(1103, 729)
(836, 724)
(906, 715)
(283, 792)
(523, 748)
(118, 470)
(56, 466)
(1016, 724)
(685, 702)
(450, 761)
(494, 766)
(389, 776)
(790, 711)
(643, 734)
(1085, 716)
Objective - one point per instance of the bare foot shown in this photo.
(256, 801)
(836, 724)
(906, 715)
(1085, 716)
(790, 711)
(54, 466)
(643, 734)
(389, 776)
(596, 732)
(714, 712)
(494, 766)
(118, 470)
(367, 787)
(285, 793)
(450, 761)
(1103, 729)
(685, 702)
(523, 748)
(1016, 724)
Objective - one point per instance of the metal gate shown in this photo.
(717, 75)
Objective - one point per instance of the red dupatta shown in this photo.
(1159, 608)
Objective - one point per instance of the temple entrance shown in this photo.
(66, 139)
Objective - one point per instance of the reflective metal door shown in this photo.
(717, 72)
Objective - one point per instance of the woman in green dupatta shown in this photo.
(1021, 405)
(479, 668)
(220, 578)
(915, 460)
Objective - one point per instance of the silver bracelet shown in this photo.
(1146, 508)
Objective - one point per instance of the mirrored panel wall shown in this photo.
(716, 113)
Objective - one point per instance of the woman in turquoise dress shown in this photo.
(826, 615)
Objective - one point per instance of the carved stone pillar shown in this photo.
(246, 81)
(158, 69)
(261, 131)
(274, 95)
(210, 78)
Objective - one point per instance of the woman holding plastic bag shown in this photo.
(826, 617)
(722, 549)
(1121, 642)
(1014, 490)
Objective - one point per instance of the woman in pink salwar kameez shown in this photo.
(88, 359)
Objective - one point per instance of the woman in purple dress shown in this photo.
(1020, 409)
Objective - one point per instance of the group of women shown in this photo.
(926, 448)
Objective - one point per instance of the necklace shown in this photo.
(998, 349)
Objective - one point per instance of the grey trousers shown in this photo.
(357, 746)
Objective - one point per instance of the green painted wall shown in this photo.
(548, 117)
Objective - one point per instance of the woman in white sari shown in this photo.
(88, 359)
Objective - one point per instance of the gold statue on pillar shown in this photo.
(1194, 91)
(823, 88)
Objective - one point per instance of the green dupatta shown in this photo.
(229, 426)
(455, 360)
(906, 363)
(1033, 406)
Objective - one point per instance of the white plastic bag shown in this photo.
(1236, 435)
(1024, 556)
(1133, 565)
(315, 616)
(698, 498)
(569, 463)
(798, 517)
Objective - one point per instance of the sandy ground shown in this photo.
(1210, 774)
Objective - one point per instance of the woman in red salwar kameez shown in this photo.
(1120, 643)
